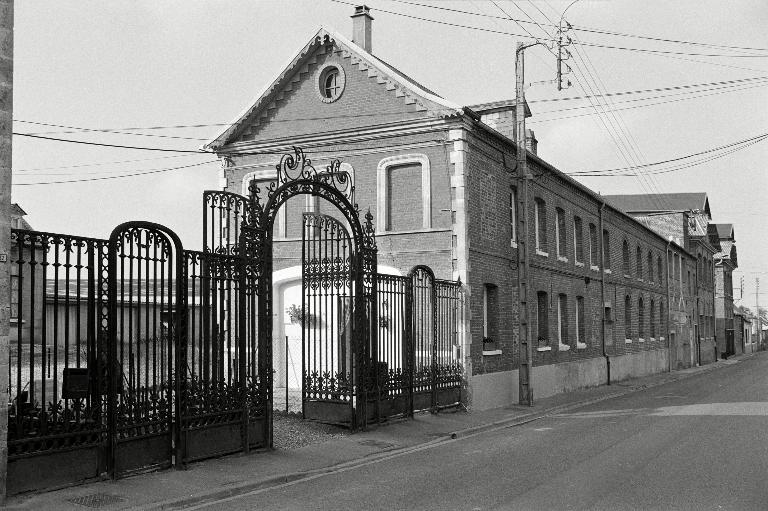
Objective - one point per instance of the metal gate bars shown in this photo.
(383, 353)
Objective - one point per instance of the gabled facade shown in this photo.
(442, 184)
(726, 261)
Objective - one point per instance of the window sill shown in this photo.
(627, 341)
(513, 244)
(490, 353)
(581, 345)
(541, 253)
(562, 259)
(662, 339)
(563, 347)
(544, 348)
(627, 276)
(652, 339)
(594, 268)
(641, 340)
(579, 264)
(608, 271)
(15, 321)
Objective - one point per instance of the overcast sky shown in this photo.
(140, 64)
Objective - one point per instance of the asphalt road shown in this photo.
(700, 443)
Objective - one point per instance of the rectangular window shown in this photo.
(581, 326)
(560, 232)
(562, 322)
(542, 317)
(404, 197)
(578, 240)
(606, 249)
(639, 263)
(594, 255)
(513, 216)
(490, 313)
(14, 297)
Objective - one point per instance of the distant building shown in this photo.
(725, 262)
(683, 218)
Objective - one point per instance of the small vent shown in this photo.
(96, 500)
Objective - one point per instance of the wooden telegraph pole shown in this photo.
(523, 256)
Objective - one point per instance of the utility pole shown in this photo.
(6, 116)
(523, 257)
(757, 312)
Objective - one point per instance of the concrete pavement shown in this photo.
(213, 480)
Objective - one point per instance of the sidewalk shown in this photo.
(215, 479)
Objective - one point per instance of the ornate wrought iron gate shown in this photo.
(133, 353)
(143, 334)
(328, 320)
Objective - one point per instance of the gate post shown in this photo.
(242, 359)
(179, 339)
(410, 352)
(433, 365)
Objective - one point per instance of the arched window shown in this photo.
(660, 270)
(627, 317)
(562, 322)
(662, 319)
(594, 253)
(625, 253)
(542, 316)
(606, 249)
(639, 262)
(650, 267)
(641, 318)
(560, 232)
(581, 324)
(540, 221)
(652, 317)
(578, 240)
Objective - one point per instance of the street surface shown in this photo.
(699, 443)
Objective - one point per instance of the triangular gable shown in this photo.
(389, 78)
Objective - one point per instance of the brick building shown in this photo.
(609, 293)
(685, 219)
(726, 262)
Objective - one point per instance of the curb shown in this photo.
(240, 489)
(206, 497)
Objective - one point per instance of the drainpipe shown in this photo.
(602, 293)
(669, 310)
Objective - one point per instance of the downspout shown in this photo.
(669, 310)
(602, 294)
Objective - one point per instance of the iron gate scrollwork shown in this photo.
(133, 353)
(327, 319)
(144, 337)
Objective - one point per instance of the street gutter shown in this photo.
(202, 499)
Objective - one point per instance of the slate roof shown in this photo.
(724, 231)
(657, 202)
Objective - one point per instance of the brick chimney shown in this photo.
(361, 27)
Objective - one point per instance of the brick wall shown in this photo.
(493, 262)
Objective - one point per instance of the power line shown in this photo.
(99, 164)
(758, 138)
(686, 97)
(135, 174)
(584, 28)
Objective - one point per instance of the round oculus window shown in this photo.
(330, 83)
